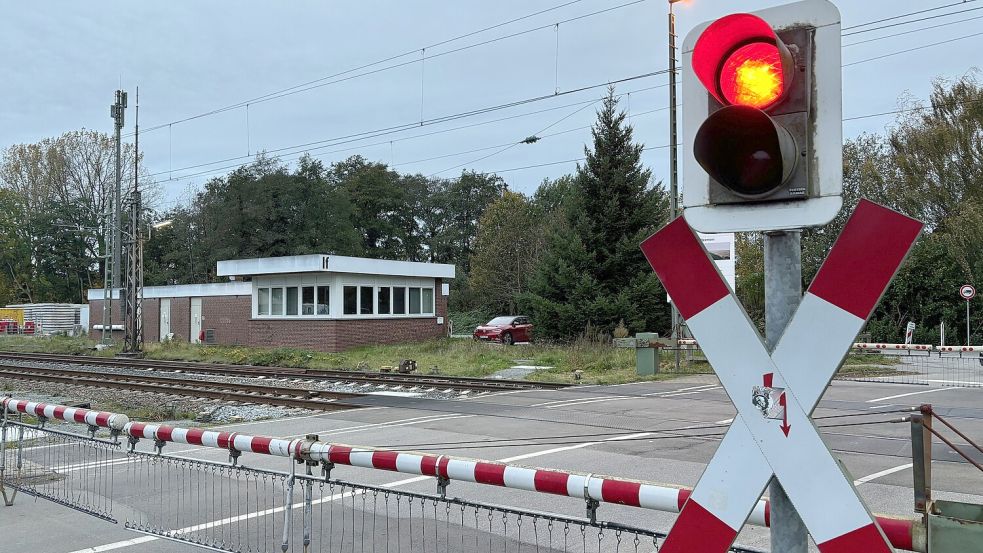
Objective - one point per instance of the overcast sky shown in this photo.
(63, 59)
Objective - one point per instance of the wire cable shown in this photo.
(345, 75)
(364, 135)
(916, 49)
(919, 20)
(892, 35)
(874, 22)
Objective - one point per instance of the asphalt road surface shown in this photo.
(584, 429)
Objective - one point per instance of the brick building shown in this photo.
(322, 302)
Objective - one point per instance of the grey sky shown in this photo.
(62, 60)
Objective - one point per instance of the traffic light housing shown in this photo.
(762, 124)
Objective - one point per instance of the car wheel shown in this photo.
(507, 339)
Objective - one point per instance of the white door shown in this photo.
(165, 318)
(195, 336)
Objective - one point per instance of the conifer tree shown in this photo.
(593, 271)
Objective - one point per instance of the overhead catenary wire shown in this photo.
(336, 142)
(919, 20)
(365, 135)
(326, 80)
(514, 144)
(343, 76)
(900, 16)
(400, 128)
(892, 35)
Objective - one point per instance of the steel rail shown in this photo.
(447, 382)
(223, 391)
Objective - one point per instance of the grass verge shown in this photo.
(598, 363)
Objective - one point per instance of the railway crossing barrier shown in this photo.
(233, 507)
(228, 506)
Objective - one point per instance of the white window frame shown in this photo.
(336, 284)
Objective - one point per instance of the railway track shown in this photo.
(388, 379)
(270, 394)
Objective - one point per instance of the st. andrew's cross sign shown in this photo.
(775, 393)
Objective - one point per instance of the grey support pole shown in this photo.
(673, 166)
(783, 292)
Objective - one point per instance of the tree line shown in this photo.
(567, 255)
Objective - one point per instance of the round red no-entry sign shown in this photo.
(967, 292)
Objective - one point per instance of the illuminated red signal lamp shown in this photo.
(741, 61)
(748, 70)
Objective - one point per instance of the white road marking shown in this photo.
(694, 392)
(885, 406)
(574, 400)
(667, 392)
(586, 401)
(491, 394)
(725, 421)
(884, 472)
(914, 394)
(231, 520)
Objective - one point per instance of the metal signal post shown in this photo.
(114, 230)
(673, 156)
(133, 285)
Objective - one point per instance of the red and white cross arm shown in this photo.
(103, 419)
(211, 438)
(839, 301)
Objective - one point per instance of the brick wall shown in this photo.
(338, 335)
(231, 318)
(228, 316)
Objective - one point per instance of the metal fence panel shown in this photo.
(914, 367)
(68, 469)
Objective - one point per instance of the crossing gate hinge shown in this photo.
(234, 455)
(592, 505)
(442, 483)
(92, 430)
(159, 445)
(132, 441)
(42, 420)
(326, 467)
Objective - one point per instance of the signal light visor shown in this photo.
(745, 150)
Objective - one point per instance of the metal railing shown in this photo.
(109, 472)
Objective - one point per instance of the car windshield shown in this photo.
(500, 321)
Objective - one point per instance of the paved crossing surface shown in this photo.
(588, 429)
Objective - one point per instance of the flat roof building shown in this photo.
(322, 302)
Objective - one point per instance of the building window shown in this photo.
(276, 301)
(385, 293)
(292, 300)
(351, 300)
(399, 301)
(263, 305)
(427, 300)
(323, 303)
(307, 301)
(365, 300)
(414, 301)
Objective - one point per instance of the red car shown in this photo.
(507, 330)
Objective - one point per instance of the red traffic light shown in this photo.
(745, 150)
(741, 61)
